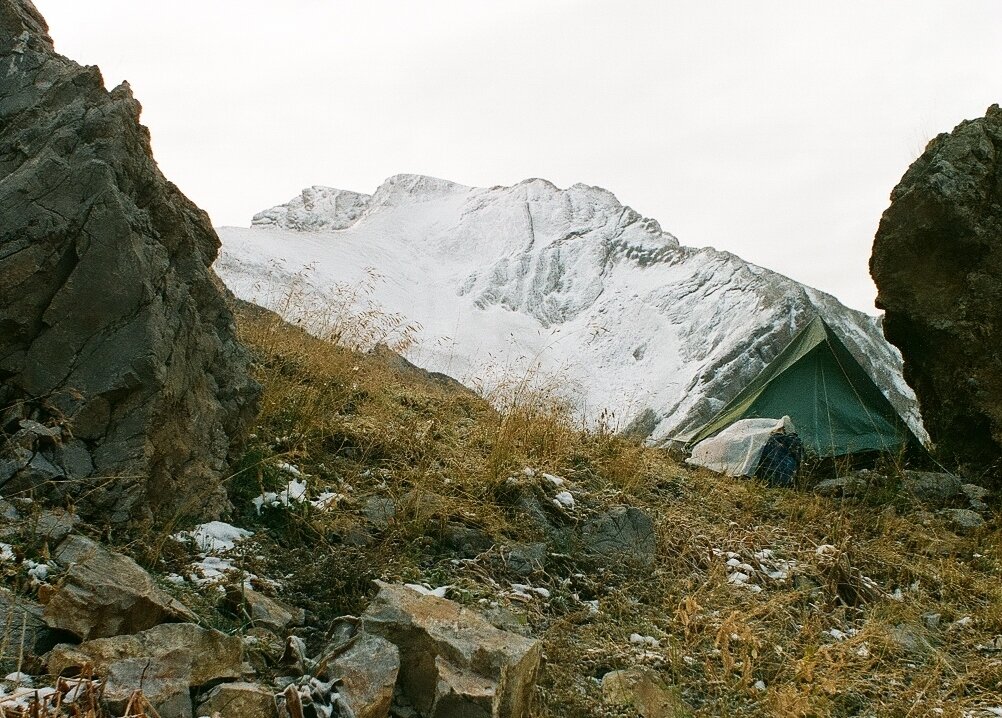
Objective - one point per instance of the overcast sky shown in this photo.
(774, 130)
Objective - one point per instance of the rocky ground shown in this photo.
(398, 547)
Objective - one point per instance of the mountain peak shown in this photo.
(567, 284)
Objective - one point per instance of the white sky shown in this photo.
(774, 130)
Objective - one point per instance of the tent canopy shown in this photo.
(833, 402)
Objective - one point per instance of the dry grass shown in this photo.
(444, 456)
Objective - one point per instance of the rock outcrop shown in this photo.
(106, 594)
(122, 383)
(452, 662)
(937, 263)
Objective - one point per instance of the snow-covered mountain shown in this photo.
(568, 285)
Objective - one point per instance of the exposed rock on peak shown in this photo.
(114, 332)
(937, 263)
(316, 209)
(22, 27)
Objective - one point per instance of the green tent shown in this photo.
(835, 406)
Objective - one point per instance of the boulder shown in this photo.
(262, 611)
(115, 335)
(962, 520)
(105, 594)
(238, 700)
(845, 487)
(621, 533)
(930, 487)
(162, 680)
(366, 674)
(24, 636)
(645, 692)
(975, 496)
(194, 654)
(452, 662)
(53, 525)
(937, 264)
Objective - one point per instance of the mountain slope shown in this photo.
(565, 285)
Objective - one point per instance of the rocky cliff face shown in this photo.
(937, 262)
(122, 385)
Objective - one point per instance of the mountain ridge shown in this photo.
(583, 287)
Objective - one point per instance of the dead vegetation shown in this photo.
(848, 609)
(756, 601)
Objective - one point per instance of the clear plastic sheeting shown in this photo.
(736, 450)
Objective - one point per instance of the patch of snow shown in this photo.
(439, 592)
(215, 536)
(327, 499)
(294, 492)
(555, 480)
(645, 640)
(290, 469)
(564, 500)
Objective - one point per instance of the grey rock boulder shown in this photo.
(24, 636)
(113, 326)
(163, 683)
(263, 611)
(622, 533)
(238, 700)
(962, 520)
(452, 662)
(198, 656)
(106, 594)
(937, 264)
(937, 489)
(366, 674)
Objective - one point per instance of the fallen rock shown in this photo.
(54, 525)
(262, 611)
(976, 496)
(937, 263)
(162, 681)
(974, 492)
(238, 700)
(910, 640)
(379, 511)
(622, 532)
(452, 662)
(24, 636)
(843, 487)
(115, 335)
(962, 520)
(524, 559)
(195, 654)
(645, 692)
(106, 594)
(930, 487)
(366, 673)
